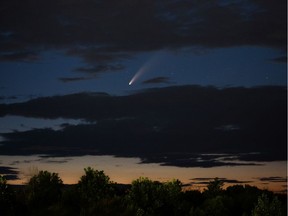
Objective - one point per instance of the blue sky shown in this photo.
(237, 66)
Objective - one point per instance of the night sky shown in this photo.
(181, 83)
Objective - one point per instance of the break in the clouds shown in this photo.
(102, 32)
(185, 126)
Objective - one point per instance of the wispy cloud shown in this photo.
(19, 56)
(273, 179)
(73, 79)
(10, 173)
(157, 80)
(281, 59)
(224, 180)
(94, 70)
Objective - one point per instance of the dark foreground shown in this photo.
(95, 194)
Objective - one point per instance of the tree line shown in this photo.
(96, 194)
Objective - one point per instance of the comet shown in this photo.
(144, 68)
(138, 73)
(147, 65)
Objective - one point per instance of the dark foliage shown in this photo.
(96, 195)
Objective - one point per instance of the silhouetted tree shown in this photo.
(7, 197)
(44, 189)
(243, 198)
(95, 195)
(190, 200)
(70, 202)
(216, 203)
(266, 207)
(214, 188)
(215, 206)
(149, 197)
(171, 195)
(94, 188)
(94, 185)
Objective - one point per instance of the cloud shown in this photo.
(101, 55)
(72, 79)
(19, 56)
(8, 98)
(281, 59)
(273, 179)
(228, 128)
(9, 172)
(110, 31)
(173, 126)
(157, 80)
(224, 180)
(56, 161)
(196, 160)
(99, 69)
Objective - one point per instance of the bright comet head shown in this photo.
(139, 73)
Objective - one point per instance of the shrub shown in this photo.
(149, 197)
(44, 189)
(265, 207)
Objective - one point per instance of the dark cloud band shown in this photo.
(177, 126)
(104, 31)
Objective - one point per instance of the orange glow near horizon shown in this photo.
(125, 170)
